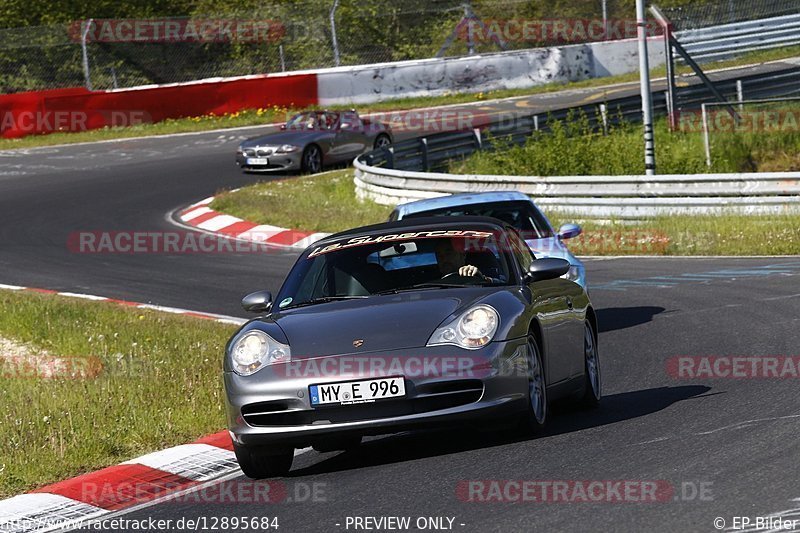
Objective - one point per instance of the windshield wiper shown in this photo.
(432, 285)
(324, 299)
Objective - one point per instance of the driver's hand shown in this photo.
(469, 271)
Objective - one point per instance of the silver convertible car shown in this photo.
(311, 140)
(513, 207)
(418, 323)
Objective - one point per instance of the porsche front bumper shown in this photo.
(272, 406)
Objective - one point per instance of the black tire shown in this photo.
(535, 416)
(311, 162)
(260, 462)
(381, 141)
(592, 385)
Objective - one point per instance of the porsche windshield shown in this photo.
(361, 267)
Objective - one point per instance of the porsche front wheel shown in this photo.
(258, 462)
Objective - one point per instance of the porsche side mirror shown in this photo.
(548, 268)
(345, 126)
(568, 231)
(257, 302)
(283, 126)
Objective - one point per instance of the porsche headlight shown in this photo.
(254, 350)
(286, 148)
(472, 330)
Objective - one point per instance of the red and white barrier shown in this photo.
(80, 110)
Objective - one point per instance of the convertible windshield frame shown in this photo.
(531, 222)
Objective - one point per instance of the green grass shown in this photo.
(253, 117)
(160, 386)
(323, 202)
(727, 234)
(621, 152)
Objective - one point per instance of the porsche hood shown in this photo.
(381, 323)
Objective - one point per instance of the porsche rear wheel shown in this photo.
(536, 415)
(312, 159)
(258, 462)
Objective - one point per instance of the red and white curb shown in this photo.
(202, 217)
(224, 319)
(145, 479)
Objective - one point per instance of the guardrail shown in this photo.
(401, 172)
(624, 197)
(728, 40)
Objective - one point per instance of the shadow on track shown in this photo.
(417, 445)
(615, 318)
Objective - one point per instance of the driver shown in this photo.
(452, 261)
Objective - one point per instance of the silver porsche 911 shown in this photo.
(402, 325)
(312, 140)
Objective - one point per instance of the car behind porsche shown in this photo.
(311, 140)
(402, 325)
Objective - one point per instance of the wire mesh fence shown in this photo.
(696, 15)
(311, 34)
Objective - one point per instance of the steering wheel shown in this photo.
(456, 277)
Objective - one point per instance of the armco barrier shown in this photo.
(599, 196)
(78, 109)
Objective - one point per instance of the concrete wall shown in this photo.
(488, 72)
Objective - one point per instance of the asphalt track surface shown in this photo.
(734, 438)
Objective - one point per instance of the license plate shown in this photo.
(257, 161)
(352, 392)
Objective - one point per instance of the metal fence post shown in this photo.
(706, 139)
(740, 95)
(334, 42)
(669, 57)
(604, 118)
(645, 90)
(85, 26)
(424, 145)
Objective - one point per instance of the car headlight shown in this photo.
(254, 350)
(472, 330)
(286, 148)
